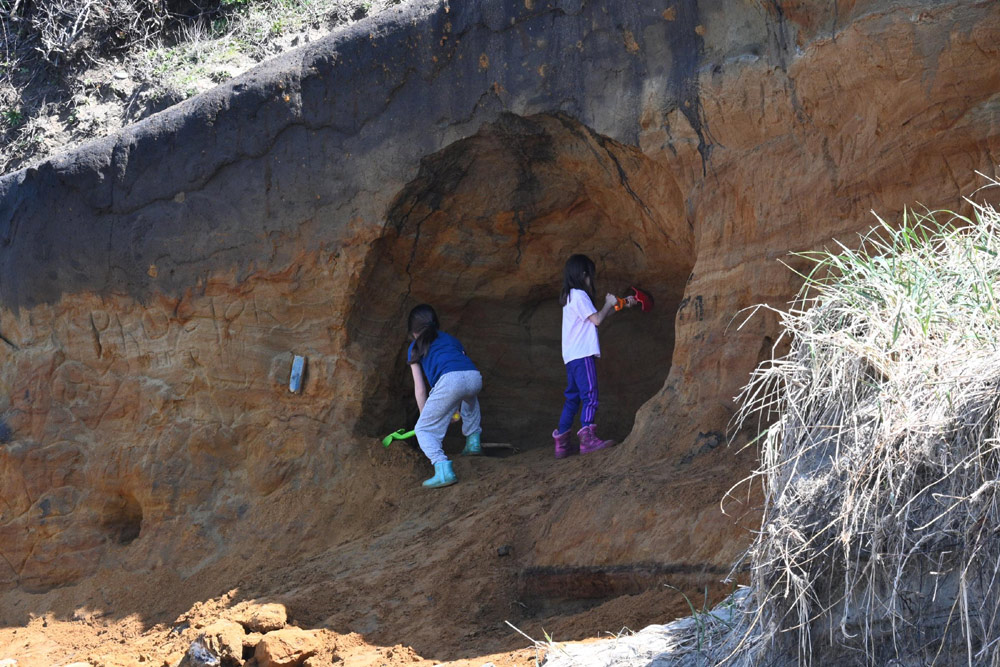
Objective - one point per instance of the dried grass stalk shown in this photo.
(881, 471)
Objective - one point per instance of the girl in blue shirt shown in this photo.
(444, 381)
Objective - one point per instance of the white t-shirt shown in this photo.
(579, 335)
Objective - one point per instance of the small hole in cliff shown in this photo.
(121, 519)
(483, 232)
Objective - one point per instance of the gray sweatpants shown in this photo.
(454, 390)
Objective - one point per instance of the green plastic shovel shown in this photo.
(401, 434)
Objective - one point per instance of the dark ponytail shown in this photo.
(578, 269)
(423, 321)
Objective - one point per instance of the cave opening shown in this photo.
(482, 234)
(121, 518)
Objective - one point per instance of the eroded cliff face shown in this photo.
(156, 284)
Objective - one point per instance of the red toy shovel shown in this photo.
(639, 297)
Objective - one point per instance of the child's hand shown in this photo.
(610, 300)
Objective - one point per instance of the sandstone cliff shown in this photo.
(154, 286)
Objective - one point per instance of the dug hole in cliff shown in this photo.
(483, 233)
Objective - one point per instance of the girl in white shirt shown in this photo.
(580, 349)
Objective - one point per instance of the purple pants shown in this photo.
(581, 387)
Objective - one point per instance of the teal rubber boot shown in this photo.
(443, 476)
(472, 445)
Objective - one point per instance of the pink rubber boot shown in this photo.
(589, 442)
(564, 447)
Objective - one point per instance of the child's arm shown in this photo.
(609, 307)
(419, 386)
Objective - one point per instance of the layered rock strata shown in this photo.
(155, 285)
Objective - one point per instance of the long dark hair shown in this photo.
(423, 321)
(578, 269)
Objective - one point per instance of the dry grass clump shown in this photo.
(61, 31)
(75, 69)
(880, 542)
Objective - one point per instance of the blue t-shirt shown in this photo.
(445, 355)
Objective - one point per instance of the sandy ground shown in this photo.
(112, 643)
(396, 574)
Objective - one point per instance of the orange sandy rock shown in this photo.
(225, 638)
(263, 618)
(287, 647)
